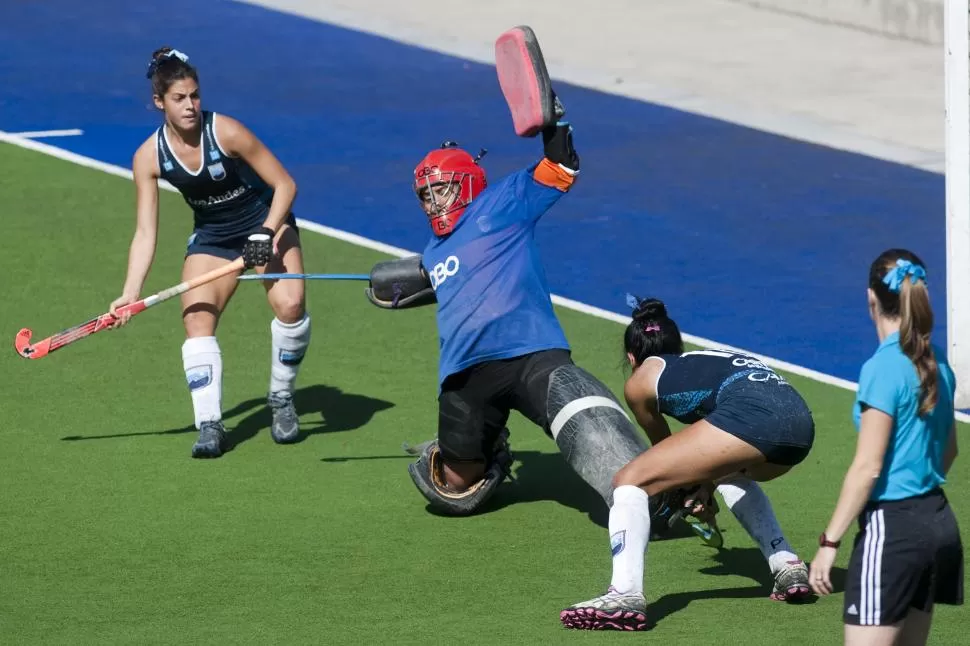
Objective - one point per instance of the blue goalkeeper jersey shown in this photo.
(493, 298)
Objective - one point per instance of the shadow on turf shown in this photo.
(546, 476)
(733, 561)
(340, 411)
(538, 476)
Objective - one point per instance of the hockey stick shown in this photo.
(305, 276)
(78, 332)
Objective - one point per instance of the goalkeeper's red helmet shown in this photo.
(446, 181)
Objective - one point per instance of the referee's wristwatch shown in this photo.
(823, 541)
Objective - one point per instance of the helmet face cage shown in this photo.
(456, 197)
(458, 179)
(445, 208)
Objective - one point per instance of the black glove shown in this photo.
(258, 249)
(558, 143)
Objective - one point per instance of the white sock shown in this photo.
(202, 361)
(629, 533)
(751, 507)
(290, 341)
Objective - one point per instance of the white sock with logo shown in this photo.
(290, 341)
(751, 507)
(629, 533)
(202, 361)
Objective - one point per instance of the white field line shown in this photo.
(40, 134)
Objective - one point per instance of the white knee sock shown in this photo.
(202, 361)
(753, 510)
(290, 341)
(629, 532)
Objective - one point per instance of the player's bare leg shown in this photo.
(290, 330)
(878, 635)
(915, 630)
(201, 357)
(624, 606)
(701, 453)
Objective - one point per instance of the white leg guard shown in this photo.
(629, 533)
(202, 361)
(290, 341)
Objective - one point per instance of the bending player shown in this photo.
(501, 345)
(241, 197)
(746, 424)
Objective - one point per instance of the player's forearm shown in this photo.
(283, 197)
(856, 489)
(656, 429)
(951, 452)
(657, 434)
(141, 254)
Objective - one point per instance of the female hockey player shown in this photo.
(241, 197)
(745, 424)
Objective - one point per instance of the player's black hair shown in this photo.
(898, 279)
(651, 332)
(166, 68)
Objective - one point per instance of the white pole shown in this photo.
(957, 75)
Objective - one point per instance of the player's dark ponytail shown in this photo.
(167, 66)
(651, 332)
(898, 279)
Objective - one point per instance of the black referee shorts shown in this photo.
(908, 554)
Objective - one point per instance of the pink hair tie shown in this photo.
(651, 328)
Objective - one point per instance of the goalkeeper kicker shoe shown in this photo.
(212, 435)
(791, 582)
(612, 611)
(286, 423)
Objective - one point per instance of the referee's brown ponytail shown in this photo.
(898, 278)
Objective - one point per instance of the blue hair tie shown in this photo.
(894, 277)
(169, 54)
(632, 301)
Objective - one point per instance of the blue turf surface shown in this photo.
(752, 239)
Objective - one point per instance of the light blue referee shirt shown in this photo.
(913, 464)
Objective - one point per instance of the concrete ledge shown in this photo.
(916, 20)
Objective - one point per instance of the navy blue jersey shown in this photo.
(227, 197)
(493, 299)
(688, 387)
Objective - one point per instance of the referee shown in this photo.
(908, 554)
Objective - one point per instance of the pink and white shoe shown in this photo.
(791, 582)
(612, 611)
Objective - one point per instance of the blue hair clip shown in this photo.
(894, 277)
(632, 301)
